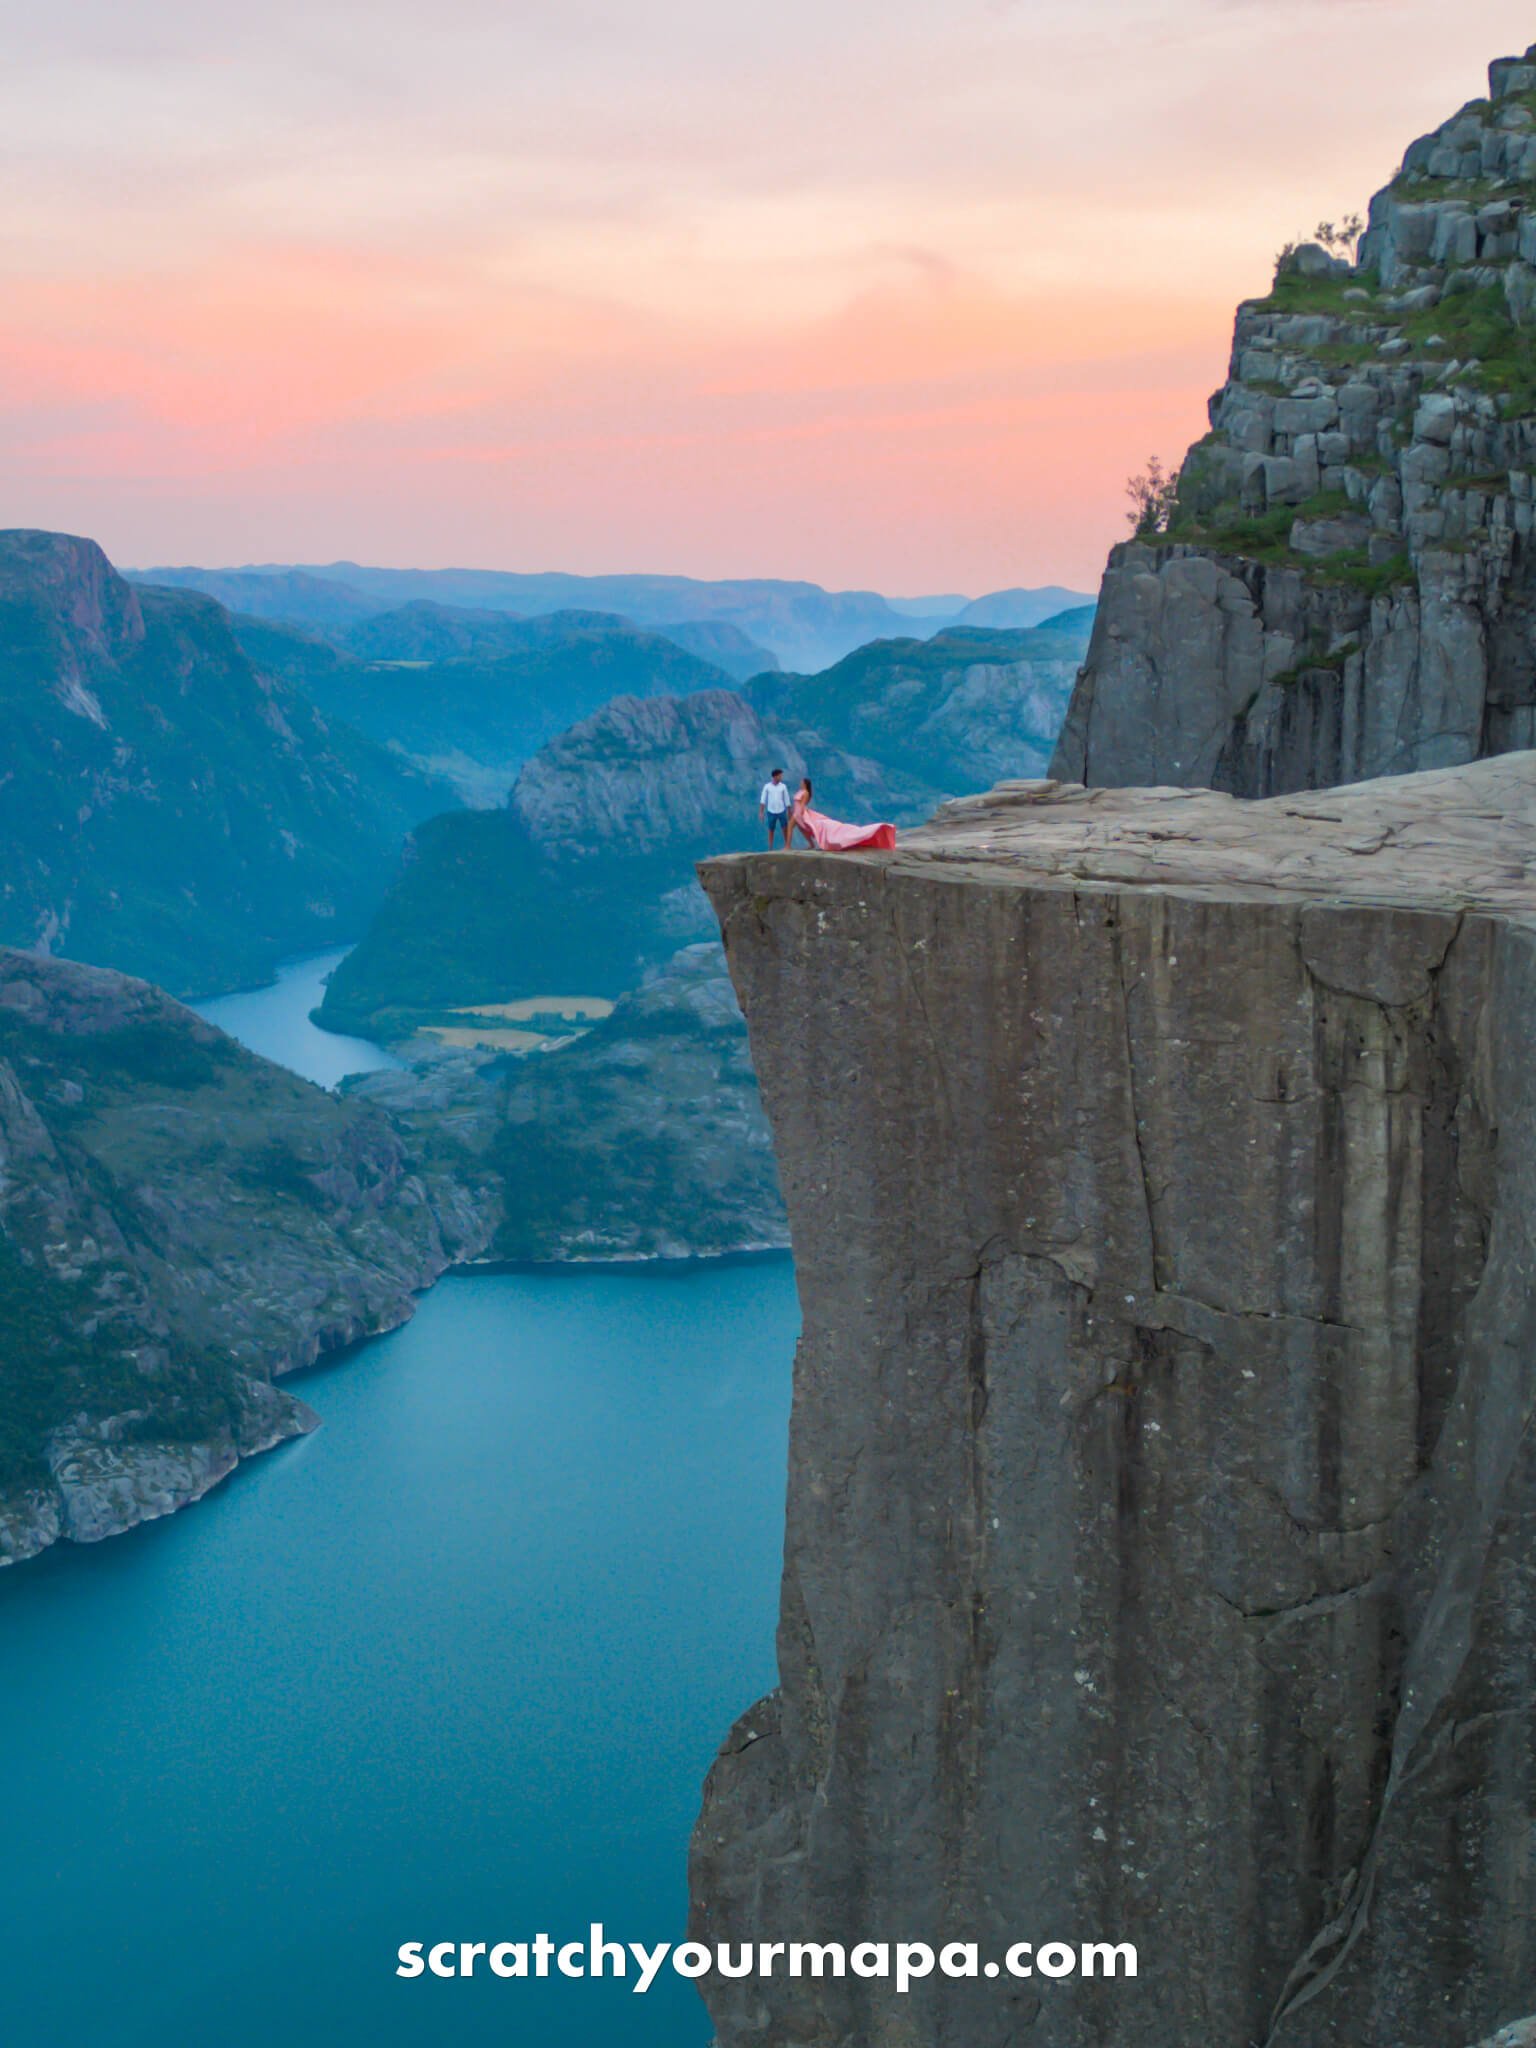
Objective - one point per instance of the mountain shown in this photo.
(1020, 608)
(960, 711)
(644, 1138)
(169, 810)
(586, 876)
(1161, 1174)
(180, 1222)
(803, 624)
(1078, 620)
(1346, 587)
(292, 595)
(727, 646)
(424, 631)
(796, 623)
(475, 718)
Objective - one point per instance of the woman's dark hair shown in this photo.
(805, 782)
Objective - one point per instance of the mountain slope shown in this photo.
(799, 623)
(168, 810)
(587, 874)
(958, 712)
(643, 1138)
(1019, 608)
(426, 631)
(1347, 588)
(489, 711)
(179, 1221)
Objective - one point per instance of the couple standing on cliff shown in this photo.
(790, 814)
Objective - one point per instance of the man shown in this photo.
(775, 805)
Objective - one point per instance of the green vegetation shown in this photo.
(168, 1192)
(1262, 536)
(1154, 497)
(1352, 569)
(1414, 186)
(482, 915)
(1478, 325)
(59, 1362)
(1291, 292)
(1265, 538)
(1329, 661)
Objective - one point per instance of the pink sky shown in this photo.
(874, 292)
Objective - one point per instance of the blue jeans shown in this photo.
(779, 819)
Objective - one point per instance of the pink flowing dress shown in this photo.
(832, 837)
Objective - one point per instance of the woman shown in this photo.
(832, 837)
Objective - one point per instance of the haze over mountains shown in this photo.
(470, 695)
(801, 624)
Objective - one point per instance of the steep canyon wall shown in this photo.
(1346, 585)
(1159, 1563)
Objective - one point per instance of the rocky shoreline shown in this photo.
(184, 1224)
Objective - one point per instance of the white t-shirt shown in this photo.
(776, 799)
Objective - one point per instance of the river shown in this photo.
(452, 1668)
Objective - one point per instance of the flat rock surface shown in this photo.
(1455, 838)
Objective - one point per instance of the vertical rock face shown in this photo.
(1346, 588)
(1159, 1566)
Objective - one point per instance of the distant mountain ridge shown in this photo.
(169, 810)
(586, 877)
(805, 626)
(1022, 609)
(476, 716)
(960, 711)
(424, 630)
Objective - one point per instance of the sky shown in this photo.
(878, 293)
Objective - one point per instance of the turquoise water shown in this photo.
(275, 1022)
(452, 1668)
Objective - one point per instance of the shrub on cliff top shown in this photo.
(1153, 496)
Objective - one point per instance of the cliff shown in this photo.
(180, 1223)
(168, 810)
(1346, 587)
(1161, 1174)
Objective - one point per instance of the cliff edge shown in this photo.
(1161, 1173)
(1345, 587)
